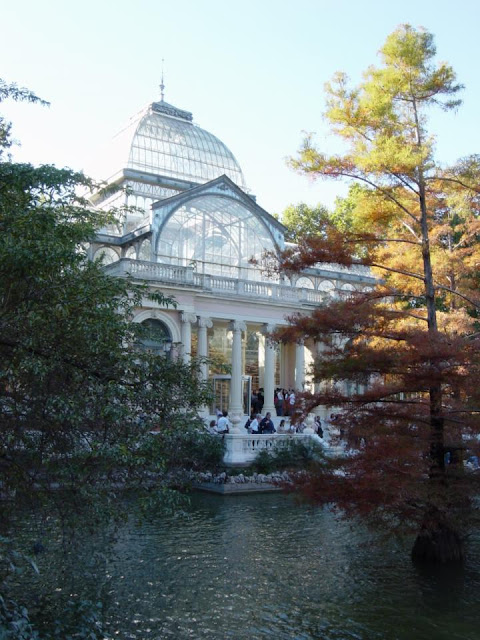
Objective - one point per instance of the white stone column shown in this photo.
(299, 366)
(236, 404)
(261, 360)
(202, 351)
(203, 325)
(187, 320)
(321, 410)
(269, 375)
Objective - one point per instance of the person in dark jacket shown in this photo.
(266, 425)
(260, 400)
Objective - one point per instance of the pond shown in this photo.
(260, 566)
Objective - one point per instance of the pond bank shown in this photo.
(238, 484)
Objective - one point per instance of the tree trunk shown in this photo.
(438, 543)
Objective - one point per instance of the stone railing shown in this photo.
(146, 270)
(242, 449)
(185, 276)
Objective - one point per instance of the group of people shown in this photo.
(283, 400)
(221, 425)
(257, 424)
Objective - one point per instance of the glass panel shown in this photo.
(218, 234)
(221, 394)
(107, 255)
(251, 358)
(220, 350)
(180, 149)
(304, 283)
(246, 394)
(145, 252)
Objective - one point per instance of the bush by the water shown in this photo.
(292, 455)
(190, 447)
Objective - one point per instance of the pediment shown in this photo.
(221, 186)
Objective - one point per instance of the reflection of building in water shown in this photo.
(190, 230)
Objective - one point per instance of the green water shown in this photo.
(259, 566)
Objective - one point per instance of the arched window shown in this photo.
(346, 290)
(145, 250)
(107, 255)
(304, 283)
(218, 234)
(327, 287)
(155, 337)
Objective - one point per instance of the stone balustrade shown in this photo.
(186, 276)
(242, 449)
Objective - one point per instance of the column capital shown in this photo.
(237, 325)
(188, 317)
(205, 323)
(267, 329)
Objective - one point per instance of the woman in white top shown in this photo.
(253, 428)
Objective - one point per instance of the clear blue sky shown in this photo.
(252, 73)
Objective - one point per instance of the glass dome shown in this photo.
(164, 141)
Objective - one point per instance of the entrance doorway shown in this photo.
(221, 393)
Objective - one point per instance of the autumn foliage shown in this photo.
(399, 362)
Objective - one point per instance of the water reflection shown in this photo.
(260, 567)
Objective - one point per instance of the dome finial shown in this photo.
(162, 86)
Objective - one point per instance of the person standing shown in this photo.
(266, 425)
(255, 401)
(255, 425)
(290, 403)
(260, 399)
(285, 402)
(279, 402)
(318, 427)
(223, 424)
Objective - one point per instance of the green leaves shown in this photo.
(19, 94)
(302, 220)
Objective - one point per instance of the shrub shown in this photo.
(296, 454)
(189, 447)
(264, 462)
(292, 455)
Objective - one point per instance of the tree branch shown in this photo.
(455, 181)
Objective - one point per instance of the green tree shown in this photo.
(19, 94)
(412, 340)
(344, 213)
(302, 220)
(78, 401)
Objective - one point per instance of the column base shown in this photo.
(237, 421)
